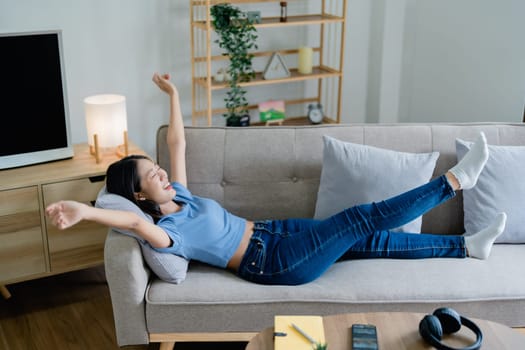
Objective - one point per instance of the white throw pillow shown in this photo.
(168, 267)
(357, 174)
(500, 187)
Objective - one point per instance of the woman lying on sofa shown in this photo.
(288, 252)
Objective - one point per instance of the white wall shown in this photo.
(445, 61)
(463, 61)
(356, 65)
(384, 53)
(405, 60)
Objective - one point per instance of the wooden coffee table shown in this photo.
(399, 330)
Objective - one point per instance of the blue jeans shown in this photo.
(297, 251)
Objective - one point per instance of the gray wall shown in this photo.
(405, 60)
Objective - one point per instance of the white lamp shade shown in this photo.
(106, 117)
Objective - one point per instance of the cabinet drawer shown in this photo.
(21, 240)
(83, 244)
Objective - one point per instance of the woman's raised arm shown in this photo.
(175, 137)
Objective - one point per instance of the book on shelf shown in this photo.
(291, 332)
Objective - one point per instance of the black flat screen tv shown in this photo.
(33, 99)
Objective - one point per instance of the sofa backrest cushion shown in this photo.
(274, 172)
(355, 174)
(500, 188)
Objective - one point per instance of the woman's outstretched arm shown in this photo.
(65, 214)
(175, 137)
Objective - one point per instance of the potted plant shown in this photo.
(237, 35)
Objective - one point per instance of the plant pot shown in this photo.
(243, 120)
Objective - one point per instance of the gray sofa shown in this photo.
(274, 172)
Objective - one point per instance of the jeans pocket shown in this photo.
(256, 256)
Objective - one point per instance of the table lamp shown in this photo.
(106, 124)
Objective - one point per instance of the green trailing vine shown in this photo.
(237, 35)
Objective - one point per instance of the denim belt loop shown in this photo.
(261, 225)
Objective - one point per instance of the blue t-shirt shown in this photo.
(202, 230)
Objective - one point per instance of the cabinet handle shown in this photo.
(98, 178)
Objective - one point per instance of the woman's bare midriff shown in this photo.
(236, 259)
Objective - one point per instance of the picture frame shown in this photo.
(272, 110)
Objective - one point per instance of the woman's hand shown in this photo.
(164, 83)
(65, 214)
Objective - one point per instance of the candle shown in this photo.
(305, 60)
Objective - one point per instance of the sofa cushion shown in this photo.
(356, 174)
(349, 286)
(500, 187)
(168, 267)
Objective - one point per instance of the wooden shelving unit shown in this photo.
(329, 18)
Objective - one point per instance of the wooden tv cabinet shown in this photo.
(30, 247)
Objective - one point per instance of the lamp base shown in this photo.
(121, 150)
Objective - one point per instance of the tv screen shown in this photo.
(34, 109)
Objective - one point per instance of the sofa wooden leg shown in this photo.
(168, 345)
(5, 293)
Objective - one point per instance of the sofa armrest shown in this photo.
(127, 276)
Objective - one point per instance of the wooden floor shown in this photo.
(68, 311)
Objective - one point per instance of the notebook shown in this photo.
(286, 337)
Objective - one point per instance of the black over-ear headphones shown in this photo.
(445, 321)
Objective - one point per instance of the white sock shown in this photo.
(480, 244)
(470, 166)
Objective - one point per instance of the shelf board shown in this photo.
(219, 111)
(225, 57)
(213, 2)
(317, 73)
(298, 20)
(296, 121)
(269, 22)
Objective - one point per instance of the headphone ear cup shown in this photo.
(430, 329)
(449, 319)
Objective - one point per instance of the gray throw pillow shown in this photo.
(357, 174)
(168, 267)
(500, 187)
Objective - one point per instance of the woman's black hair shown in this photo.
(122, 178)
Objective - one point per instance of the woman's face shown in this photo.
(154, 182)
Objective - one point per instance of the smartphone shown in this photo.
(364, 337)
